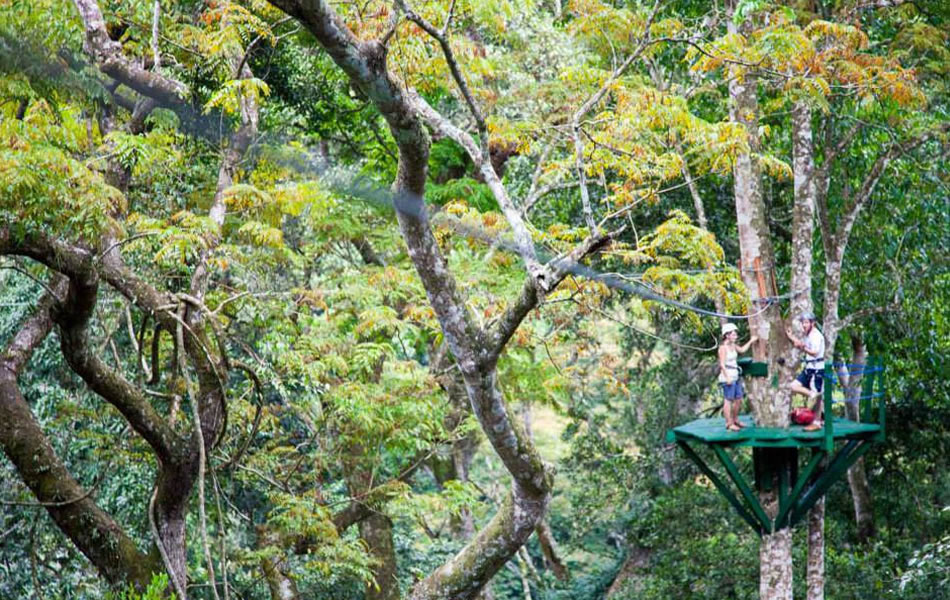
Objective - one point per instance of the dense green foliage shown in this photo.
(341, 390)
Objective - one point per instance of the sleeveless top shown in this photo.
(732, 368)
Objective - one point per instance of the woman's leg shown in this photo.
(732, 412)
(726, 404)
(737, 404)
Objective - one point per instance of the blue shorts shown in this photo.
(808, 375)
(732, 391)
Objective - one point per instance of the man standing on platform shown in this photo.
(809, 381)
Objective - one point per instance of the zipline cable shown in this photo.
(362, 187)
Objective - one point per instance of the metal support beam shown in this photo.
(803, 479)
(752, 501)
(846, 457)
(723, 489)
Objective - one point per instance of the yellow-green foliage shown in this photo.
(812, 62)
(44, 184)
(685, 262)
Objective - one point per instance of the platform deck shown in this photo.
(713, 431)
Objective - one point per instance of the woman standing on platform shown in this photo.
(729, 374)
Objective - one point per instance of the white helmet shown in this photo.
(729, 328)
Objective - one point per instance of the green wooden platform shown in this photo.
(831, 451)
(713, 431)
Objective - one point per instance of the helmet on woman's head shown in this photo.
(728, 328)
(807, 316)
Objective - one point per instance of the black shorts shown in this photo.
(807, 376)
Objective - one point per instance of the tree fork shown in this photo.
(94, 532)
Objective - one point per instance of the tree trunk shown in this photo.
(857, 475)
(803, 212)
(815, 578)
(775, 565)
(803, 233)
(377, 531)
(770, 401)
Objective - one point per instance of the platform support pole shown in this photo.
(747, 493)
(827, 391)
(723, 489)
(840, 464)
(803, 479)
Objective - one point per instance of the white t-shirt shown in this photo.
(814, 342)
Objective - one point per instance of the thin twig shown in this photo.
(132, 238)
(36, 280)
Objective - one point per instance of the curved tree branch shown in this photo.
(365, 64)
(94, 532)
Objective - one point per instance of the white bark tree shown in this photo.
(476, 349)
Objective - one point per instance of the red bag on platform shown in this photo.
(802, 416)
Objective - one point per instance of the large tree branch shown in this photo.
(93, 531)
(480, 156)
(73, 315)
(34, 330)
(553, 274)
(492, 547)
(109, 58)
(870, 182)
(365, 64)
(443, 127)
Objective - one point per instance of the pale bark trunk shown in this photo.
(803, 213)
(755, 247)
(770, 402)
(775, 566)
(803, 231)
(815, 578)
(857, 475)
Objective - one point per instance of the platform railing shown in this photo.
(871, 373)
